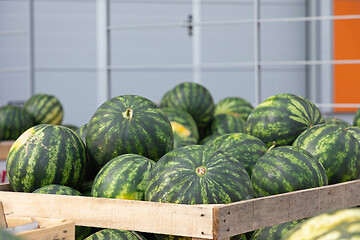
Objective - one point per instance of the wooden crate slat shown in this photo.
(249, 215)
(49, 228)
(167, 218)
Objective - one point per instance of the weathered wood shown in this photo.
(4, 148)
(48, 228)
(166, 218)
(5, 187)
(3, 222)
(235, 218)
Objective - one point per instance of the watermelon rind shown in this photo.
(286, 169)
(282, 118)
(235, 106)
(198, 174)
(275, 232)
(115, 234)
(128, 124)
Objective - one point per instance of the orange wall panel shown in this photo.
(346, 47)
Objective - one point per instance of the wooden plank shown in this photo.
(175, 219)
(3, 222)
(49, 228)
(240, 217)
(5, 187)
(4, 148)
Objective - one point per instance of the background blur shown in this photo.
(87, 51)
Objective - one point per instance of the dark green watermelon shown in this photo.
(124, 177)
(334, 147)
(81, 232)
(114, 234)
(184, 127)
(194, 99)
(282, 118)
(128, 124)
(81, 132)
(276, 232)
(46, 154)
(57, 189)
(198, 175)
(208, 139)
(356, 119)
(14, 120)
(337, 121)
(235, 106)
(355, 131)
(286, 169)
(45, 109)
(244, 147)
(227, 123)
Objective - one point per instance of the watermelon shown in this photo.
(335, 148)
(114, 234)
(274, 232)
(128, 124)
(245, 148)
(282, 118)
(356, 119)
(57, 189)
(194, 99)
(183, 126)
(81, 232)
(338, 224)
(124, 177)
(208, 139)
(46, 154)
(71, 126)
(14, 120)
(337, 121)
(227, 123)
(198, 174)
(81, 132)
(286, 169)
(355, 131)
(45, 109)
(235, 106)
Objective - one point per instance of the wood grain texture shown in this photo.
(166, 218)
(3, 222)
(235, 218)
(48, 228)
(4, 148)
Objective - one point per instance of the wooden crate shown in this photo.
(48, 228)
(213, 221)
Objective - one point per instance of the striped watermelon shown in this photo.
(337, 150)
(193, 98)
(235, 106)
(286, 169)
(337, 121)
(198, 174)
(342, 224)
(184, 127)
(14, 120)
(355, 131)
(227, 123)
(45, 109)
(128, 124)
(245, 148)
(114, 234)
(356, 119)
(274, 232)
(124, 177)
(57, 189)
(46, 154)
(81, 132)
(281, 119)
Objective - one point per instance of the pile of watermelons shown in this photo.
(185, 150)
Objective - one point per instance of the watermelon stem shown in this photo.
(272, 146)
(201, 171)
(128, 113)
